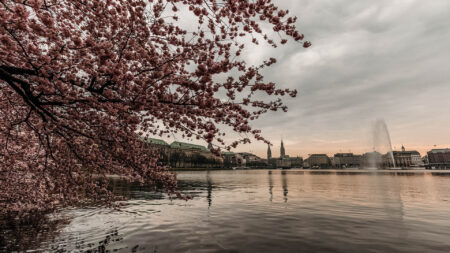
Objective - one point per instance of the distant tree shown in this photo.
(81, 79)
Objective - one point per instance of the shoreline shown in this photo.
(309, 169)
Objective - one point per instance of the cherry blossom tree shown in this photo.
(82, 80)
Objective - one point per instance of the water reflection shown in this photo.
(28, 232)
(270, 185)
(209, 188)
(285, 185)
(80, 243)
(257, 211)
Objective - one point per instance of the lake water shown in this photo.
(257, 211)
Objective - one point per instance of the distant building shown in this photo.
(372, 160)
(188, 146)
(284, 161)
(185, 155)
(318, 161)
(156, 142)
(269, 153)
(438, 159)
(404, 158)
(425, 160)
(282, 151)
(252, 160)
(416, 159)
(347, 160)
(233, 160)
(296, 162)
(161, 145)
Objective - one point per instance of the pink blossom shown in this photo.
(79, 80)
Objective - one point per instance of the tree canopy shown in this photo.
(81, 80)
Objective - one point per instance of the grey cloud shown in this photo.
(369, 59)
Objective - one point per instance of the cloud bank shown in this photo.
(369, 60)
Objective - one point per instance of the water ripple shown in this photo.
(256, 211)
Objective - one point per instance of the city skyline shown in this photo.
(280, 149)
(187, 155)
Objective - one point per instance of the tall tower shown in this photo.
(269, 153)
(403, 148)
(282, 151)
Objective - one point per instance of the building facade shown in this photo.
(347, 160)
(296, 162)
(372, 160)
(231, 159)
(403, 159)
(284, 161)
(438, 159)
(318, 161)
(252, 160)
(185, 155)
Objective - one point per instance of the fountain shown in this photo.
(381, 143)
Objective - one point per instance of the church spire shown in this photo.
(269, 152)
(282, 151)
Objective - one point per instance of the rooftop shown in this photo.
(184, 145)
(316, 155)
(227, 153)
(411, 152)
(343, 154)
(441, 150)
(155, 141)
(247, 154)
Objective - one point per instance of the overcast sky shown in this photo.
(384, 59)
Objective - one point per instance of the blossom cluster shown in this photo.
(80, 79)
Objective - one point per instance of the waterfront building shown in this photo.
(188, 146)
(286, 162)
(318, 161)
(156, 142)
(373, 159)
(249, 157)
(333, 164)
(161, 145)
(296, 162)
(283, 163)
(187, 155)
(347, 160)
(184, 155)
(416, 159)
(403, 158)
(231, 159)
(438, 159)
(252, 160)
(425, 160)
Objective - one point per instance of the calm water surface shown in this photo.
(258, 211)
